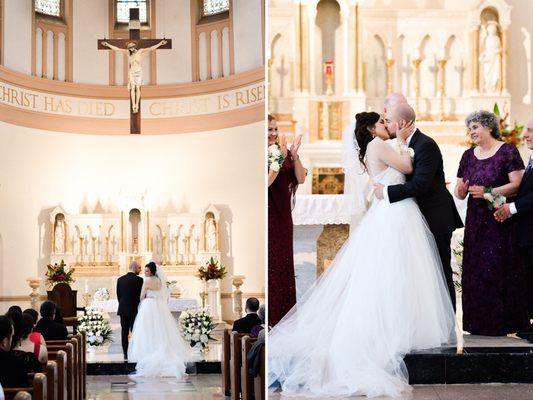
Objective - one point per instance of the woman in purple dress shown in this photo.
(282, 184)
(494, 301)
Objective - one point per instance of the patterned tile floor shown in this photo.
(118, 387)
(452, 392)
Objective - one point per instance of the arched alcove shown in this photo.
(328, 20)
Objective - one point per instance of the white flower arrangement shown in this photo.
(196, 326)
(494, 200)
(403, 148)
(101, 294)
(96, 328)
(275, 158)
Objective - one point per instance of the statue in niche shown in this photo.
(490, 58)
(210, 235)
(59, 235)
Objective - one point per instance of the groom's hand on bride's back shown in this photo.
(378, 190)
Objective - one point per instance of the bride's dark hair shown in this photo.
(152, 267)
(363, 122)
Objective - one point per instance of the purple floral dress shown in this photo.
(494, 301)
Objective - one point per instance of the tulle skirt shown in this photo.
(383, 296)
(156, 344)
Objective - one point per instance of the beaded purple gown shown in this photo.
(493, 279)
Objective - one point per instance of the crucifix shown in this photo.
(134, 48)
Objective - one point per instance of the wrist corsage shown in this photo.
(494, 199)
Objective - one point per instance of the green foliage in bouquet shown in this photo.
(57, 273)
(212, 270)
(96, 328)
(196, 327)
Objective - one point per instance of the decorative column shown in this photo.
(34, 284)
(311, 62)
(237, 281)
(441, 64)
(416, 81)
(212, 298)
(389, 62)
(345, 21)
(474, 60)
(122, 238)
(505, 61)
(353, 49)
(359, 56)
(302, 44)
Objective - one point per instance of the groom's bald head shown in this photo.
(135, 267)
(401, 114)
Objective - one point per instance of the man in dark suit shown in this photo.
(47, 327)
(245, 324)
(522, 210)
(13, 371)
(427, 185)
(129, 296)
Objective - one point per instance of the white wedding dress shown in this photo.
(383, 296)
(156, 344)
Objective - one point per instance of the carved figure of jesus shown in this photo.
(135, 68)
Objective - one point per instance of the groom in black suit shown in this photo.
(427, 185)
(129, 296)
(522, 210)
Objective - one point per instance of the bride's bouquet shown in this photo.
(494, 200)
(96, 328)
(275, 158)
(196, 326)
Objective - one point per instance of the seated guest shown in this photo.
(47, 327)
(35, 337)
(16, 320)
(245, 324)
(59, 318)
(255, 331)
(14, 309)
(13, 373)
(27, 345)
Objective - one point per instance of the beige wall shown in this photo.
(247, 34)
(39, 170)
(17, 35)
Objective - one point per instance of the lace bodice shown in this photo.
(384, 164)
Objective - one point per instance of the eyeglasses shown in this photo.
(273, 130)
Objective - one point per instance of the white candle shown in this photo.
(389, 52)
(416, 54)
(86, 287)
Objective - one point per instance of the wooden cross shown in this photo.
(134, 42)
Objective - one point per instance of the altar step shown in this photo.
(472, 365)
(123, 368)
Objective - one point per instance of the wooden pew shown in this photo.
(38, 390)
(235, 364)
(75, 340)
(71, 371)
(52, 380)
(60, 358)
(81, 361)
(259, 380)
(247, 381)
(226, 376)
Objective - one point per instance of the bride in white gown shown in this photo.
(156, 344)
(383, 296)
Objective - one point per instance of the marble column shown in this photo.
(312, 61)
(474, 60)
(345, 21)
(416, 82)
(389, 62)
(505, 61)
(302, 44)
(441, 64)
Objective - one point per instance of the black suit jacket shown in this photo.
(524, 208)
(129, 294)
(51, 330)
(245, 324)
(428, 186)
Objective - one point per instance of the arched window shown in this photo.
(122, 11)
(212, 7)
(48, 7)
